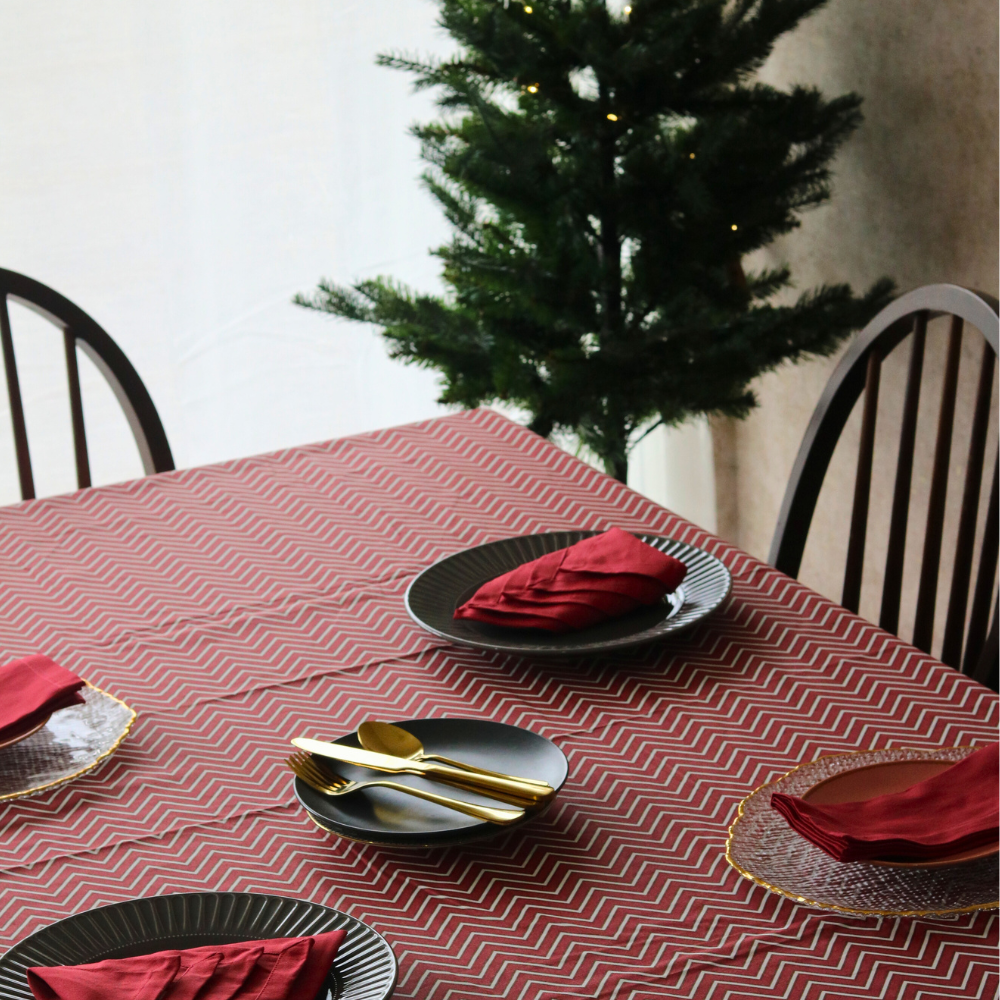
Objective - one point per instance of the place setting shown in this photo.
(900, 832)
(426, 782)
(205, 945)
(54, 726)
(565, 593)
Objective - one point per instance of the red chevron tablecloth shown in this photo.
(237, 605)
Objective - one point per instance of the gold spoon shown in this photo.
(383, 737)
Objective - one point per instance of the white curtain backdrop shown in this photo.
(179, 170)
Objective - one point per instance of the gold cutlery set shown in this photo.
(389, 748)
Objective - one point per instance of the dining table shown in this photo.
(236, 606)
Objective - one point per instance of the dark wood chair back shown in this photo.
(78, 330)
(966, 644)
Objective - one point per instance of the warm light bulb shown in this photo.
(628, 10)
(692, 156)
(734, 226)
(612, 118)
(529, 10)
(533, 89)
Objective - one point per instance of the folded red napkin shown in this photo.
(599, 578)
(32, 688)
(278, 969)
(954, 811)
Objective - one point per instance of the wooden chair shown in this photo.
(78, 330)
(966, 645)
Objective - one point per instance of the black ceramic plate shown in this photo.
(433, 596)
(386, 816)
(364, 969)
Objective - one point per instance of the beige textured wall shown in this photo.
(915, 198)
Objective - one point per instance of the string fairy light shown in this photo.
(529, 10)
(533, 88)
(734, 227)
(691, 156)
(612, 118)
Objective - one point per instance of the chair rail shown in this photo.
(883, 333)
(79, 329)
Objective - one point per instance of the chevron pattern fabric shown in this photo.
(239, 605)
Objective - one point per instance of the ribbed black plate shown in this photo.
(389, 817)
(433, 596)
(364, 969)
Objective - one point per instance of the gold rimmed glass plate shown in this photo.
(23, 733)
(765, 849)
(72, 742)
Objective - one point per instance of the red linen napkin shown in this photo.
(602, 577)
(954, 811)
(32, 688)
(277, 969)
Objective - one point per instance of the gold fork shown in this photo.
(327, 782)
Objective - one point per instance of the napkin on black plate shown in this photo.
(276, 969)
(601, 577)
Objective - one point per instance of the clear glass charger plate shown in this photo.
(72, 742)
(763, 848)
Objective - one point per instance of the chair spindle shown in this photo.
(892, 588)
(983, 593)
(989, 659)
(862, 488)
(16, 409)
(923, 627)
(958, 601)
(76, 411)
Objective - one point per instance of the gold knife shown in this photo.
(505, 788)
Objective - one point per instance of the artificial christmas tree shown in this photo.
(606, 171)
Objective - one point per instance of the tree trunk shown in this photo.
(737, 276)
(611, 265)
(610, 246)
(617, 467)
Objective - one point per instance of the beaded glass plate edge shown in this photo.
(64, 735)
(796, 781)
(364, 969)
(431, 595)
